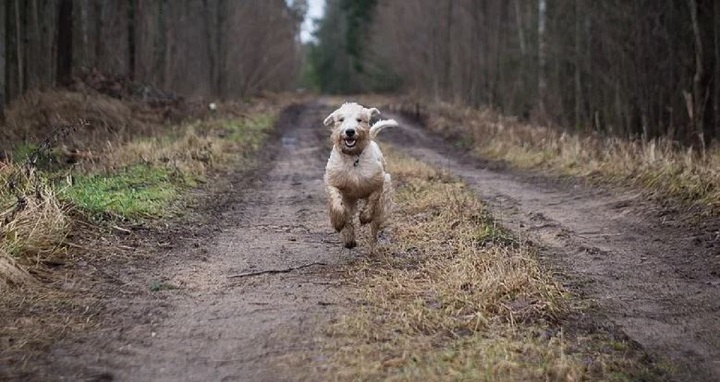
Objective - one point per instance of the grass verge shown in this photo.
(659, 166)
(143, 178)
(134, 181)
(456, 297)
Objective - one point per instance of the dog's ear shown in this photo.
(329, 120)
(373, 112)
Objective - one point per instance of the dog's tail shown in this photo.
(379, 125)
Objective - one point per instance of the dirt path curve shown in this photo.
(220, 328)
(652, 275)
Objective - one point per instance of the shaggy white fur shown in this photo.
(356, 171)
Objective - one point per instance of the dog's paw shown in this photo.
(351, 244)
(337, 219)
(366, 217)
(338, 224)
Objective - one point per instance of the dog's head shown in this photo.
(351, 127)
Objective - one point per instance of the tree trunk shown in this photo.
(221, 48)
(3, 56)
(169, 47)
(18, 48)
(702, 116)
(65, 43)
(34, 62)
(520, 28)
(99, 12)
(716, 77)
(160, 44)
(83, 54)
(210, 42)
(542, 57)
(132, 20)
(12, 59)
(447, 60)
(579, 117)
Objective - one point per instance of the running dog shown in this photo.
(356, 171)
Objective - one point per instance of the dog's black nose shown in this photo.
(350, 132)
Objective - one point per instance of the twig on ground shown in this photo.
(274, 271)
(121, 229)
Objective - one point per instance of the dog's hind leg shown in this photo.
(382, 209)
(369, 210)
(386, 200)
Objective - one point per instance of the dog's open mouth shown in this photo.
(350, 142)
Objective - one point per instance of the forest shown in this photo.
(195, 48)
(642, 69)
(638, 69)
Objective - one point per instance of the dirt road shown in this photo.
(217, 327)
(652, 271)
(649, 273)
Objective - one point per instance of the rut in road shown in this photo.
(221, 328)
(655, 277)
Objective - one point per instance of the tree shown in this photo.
(3, 41)
(542, 57)
(65, 40)
(700, 102)
(131, 31)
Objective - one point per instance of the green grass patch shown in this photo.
(250, 132)
(154, 171)
(131, 193)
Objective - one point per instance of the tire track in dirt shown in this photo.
(220, 328)
(653, 276)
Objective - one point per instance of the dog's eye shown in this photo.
(359, 119)
(341, 119)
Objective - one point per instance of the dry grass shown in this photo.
(33, 116)
(123, 179)
(454, 297)
(196, 147)
(33, 224)
(660, 166)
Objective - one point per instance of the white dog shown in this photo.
(355, 171)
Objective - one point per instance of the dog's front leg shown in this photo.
(338, 210)
(348, 233)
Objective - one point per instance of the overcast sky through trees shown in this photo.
(316, 8)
